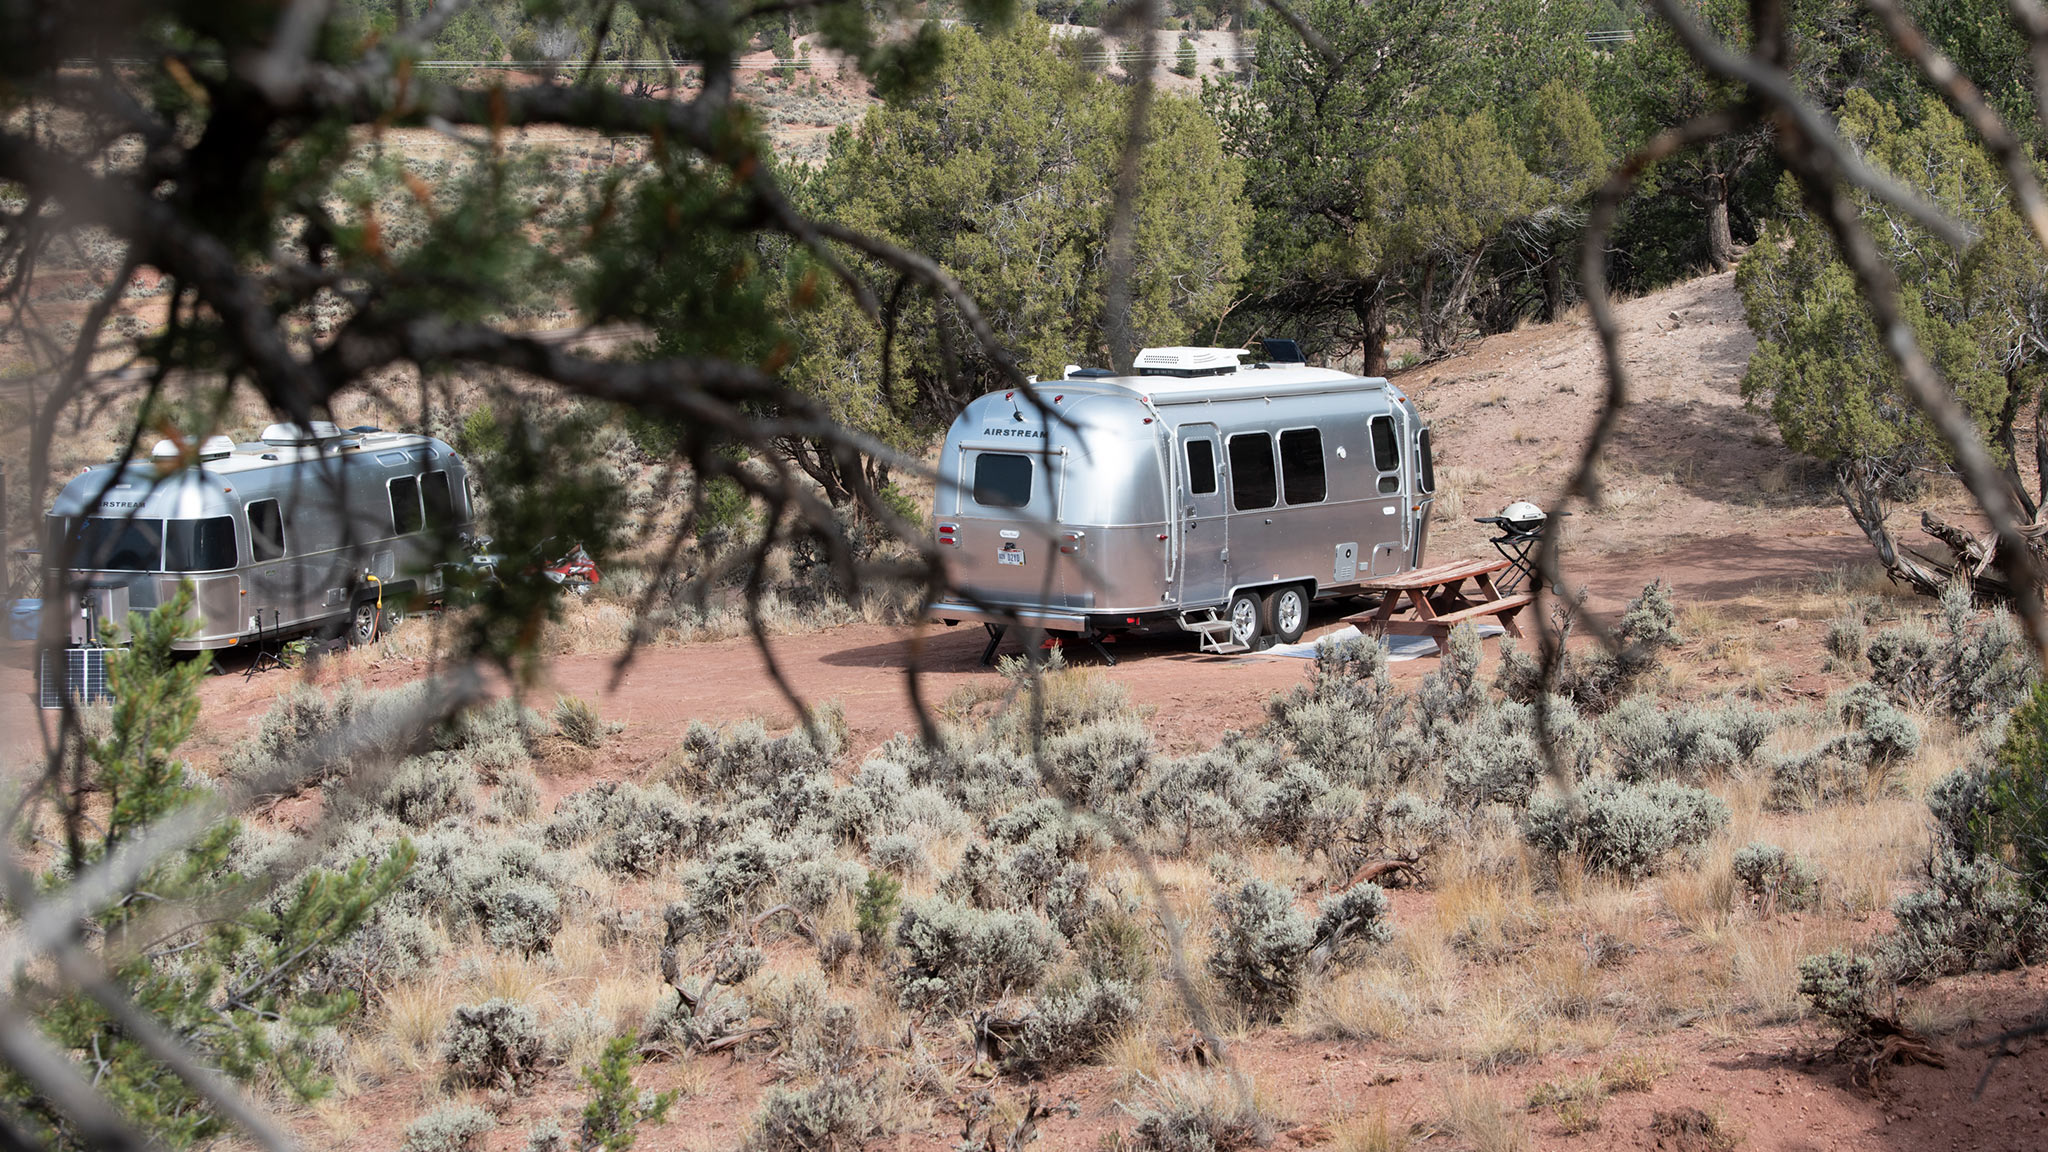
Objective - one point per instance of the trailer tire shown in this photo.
(1287, 613)
(363, 624)
(1247, 616)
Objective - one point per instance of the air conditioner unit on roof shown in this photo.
(1187, 361)
(283, 435)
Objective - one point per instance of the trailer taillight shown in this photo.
(946, 532)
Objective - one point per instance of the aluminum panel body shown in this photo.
(294, 531)
(1136, 513)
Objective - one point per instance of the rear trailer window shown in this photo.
(200, 545)
(1301, 466)
(1002, 480)
(1253, 484)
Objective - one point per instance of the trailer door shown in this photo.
(1202, 526)
(1386, 522)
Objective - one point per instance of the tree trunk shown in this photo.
(1859, 492)
(2008, 442)
(1720, 242)
(1553, 288)
(1370, 303)
(1425, 312)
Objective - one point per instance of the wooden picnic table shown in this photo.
(1439, 600)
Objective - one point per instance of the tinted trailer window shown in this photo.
(1002, 480)
(200, 545)
(118, 544)
(1253, 482)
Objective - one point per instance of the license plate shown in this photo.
(1013, 556)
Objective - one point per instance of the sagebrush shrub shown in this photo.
(1841, 988)
(843, 1111)
(1356, 918)
(395, 947)
(1073, 1025)
(449, 1128)
(1774, 877)
(1626, 829)
(498, 1043)
(1348, 719)
(901, 854)
(1099, 764)
(1973, 913)
(1493, 759)
(1258, 947)
(424, 790)
(733, 880)
(955, 955)
(498, 885)
(516, 799)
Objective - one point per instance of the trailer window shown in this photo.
(266, 531)
(200, 545)
(405, 506)
(1424, 462)
(1201, 467)
(1386, 454)
(118, 544)
(1301, 466)
(1002, 480)
(440, 501)
(1253, 484)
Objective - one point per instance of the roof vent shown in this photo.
(166, 450)
(294, 435)
(217, 448)
(1187, 361)
(1282, 351)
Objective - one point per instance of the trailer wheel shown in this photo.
(1287, 613)
(362, 623)
(1247, 618)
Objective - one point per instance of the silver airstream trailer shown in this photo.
(309, 527)
(1199, 494)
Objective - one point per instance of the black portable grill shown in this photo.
(1521, 529)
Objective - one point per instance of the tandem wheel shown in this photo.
(1287, 613)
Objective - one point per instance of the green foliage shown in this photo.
(548, 494)
(615, 1111)
(229, 988)
(881, 899)
(1381, 182)
(1010, 122)
(1820, 365)
(2014, 817)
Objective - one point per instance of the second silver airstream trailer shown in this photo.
(1199, 494)
(309, 527)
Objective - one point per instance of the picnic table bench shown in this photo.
(1439, 601)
